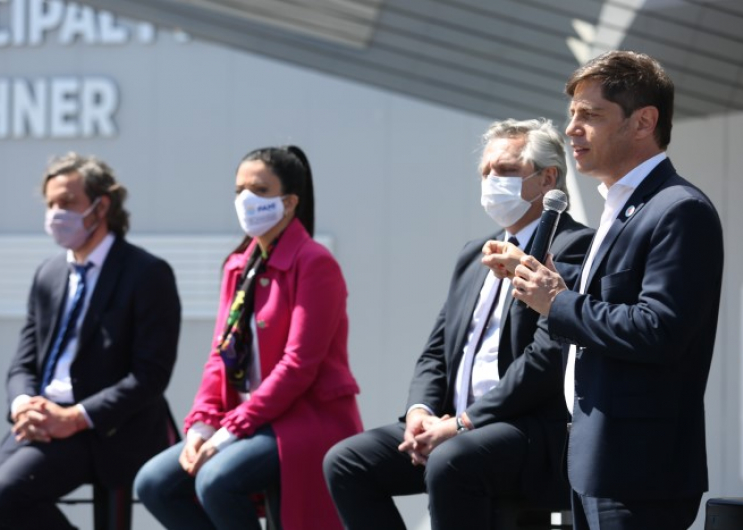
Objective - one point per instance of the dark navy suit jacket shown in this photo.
(645, 331)
(125, 355)
(530, 387)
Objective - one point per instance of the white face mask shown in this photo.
(258, 215)
(501, 198)
(68, 227)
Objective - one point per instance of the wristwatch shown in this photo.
(461, 427)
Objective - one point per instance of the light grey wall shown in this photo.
(397, 191)
(708, 153)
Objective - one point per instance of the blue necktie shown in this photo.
(69, 324)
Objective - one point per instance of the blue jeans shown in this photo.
(218, 497)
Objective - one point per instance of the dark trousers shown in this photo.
(463, 476)
(594, 513)
(34, 475)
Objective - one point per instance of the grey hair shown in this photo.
(544, 147)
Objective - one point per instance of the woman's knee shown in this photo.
(210, 483)
(152, 479)
(146, 484)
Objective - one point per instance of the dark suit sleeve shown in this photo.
(23, 374)
(647, 309)
(428, 385)
(534, 377)
(140, 335)
(569, 257)
(430, 380)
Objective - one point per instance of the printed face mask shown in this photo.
(68, 227)
(257, 215)
(501, 198)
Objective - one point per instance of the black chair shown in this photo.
(520, 515)
(270, 508)
(724, 513)
(112, 507)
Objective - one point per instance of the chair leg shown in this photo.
(273, 496)
(112, 508)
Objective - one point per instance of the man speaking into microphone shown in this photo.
(639, 327)
(484, 421)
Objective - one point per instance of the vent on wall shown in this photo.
(196, 261)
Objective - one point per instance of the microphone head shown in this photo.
(555, 200)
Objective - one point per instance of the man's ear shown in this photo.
(549, 178)
(101, 210)
(645, 121)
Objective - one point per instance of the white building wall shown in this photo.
(397, 196)
(707, 151)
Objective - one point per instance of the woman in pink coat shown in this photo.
(277, 391)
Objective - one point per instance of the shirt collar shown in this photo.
(635, 177)
(99, 253)
(524, 235)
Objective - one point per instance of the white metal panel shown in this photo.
(196, 262)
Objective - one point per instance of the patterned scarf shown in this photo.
(235, 345)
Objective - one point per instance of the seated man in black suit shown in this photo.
(96, 353)
(485, 419)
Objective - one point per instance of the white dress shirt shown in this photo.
(485, 375)
(615, 197)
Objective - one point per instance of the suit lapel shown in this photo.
(505, 310)
(647, 188)
(105, 286)
(508, 301)
(468, 309)
(474, 278)
(58, 299)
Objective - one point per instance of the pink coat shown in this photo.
(308, 393)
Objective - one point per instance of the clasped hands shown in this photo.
(196, 452)
(535, 284)
(423, 432)
(41, 420)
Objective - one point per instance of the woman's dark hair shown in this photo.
(290, 165)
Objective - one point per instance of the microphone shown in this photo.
(555, 202)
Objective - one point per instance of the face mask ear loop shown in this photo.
(92, 206)
(540, 194)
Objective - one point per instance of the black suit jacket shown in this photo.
(645, 331)
(125, 356)
(531, 372)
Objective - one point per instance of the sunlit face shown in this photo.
(257, 177)
(66, 192)
(501, 157)
(599, 134)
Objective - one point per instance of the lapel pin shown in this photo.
(264, 281)
(629, 211)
